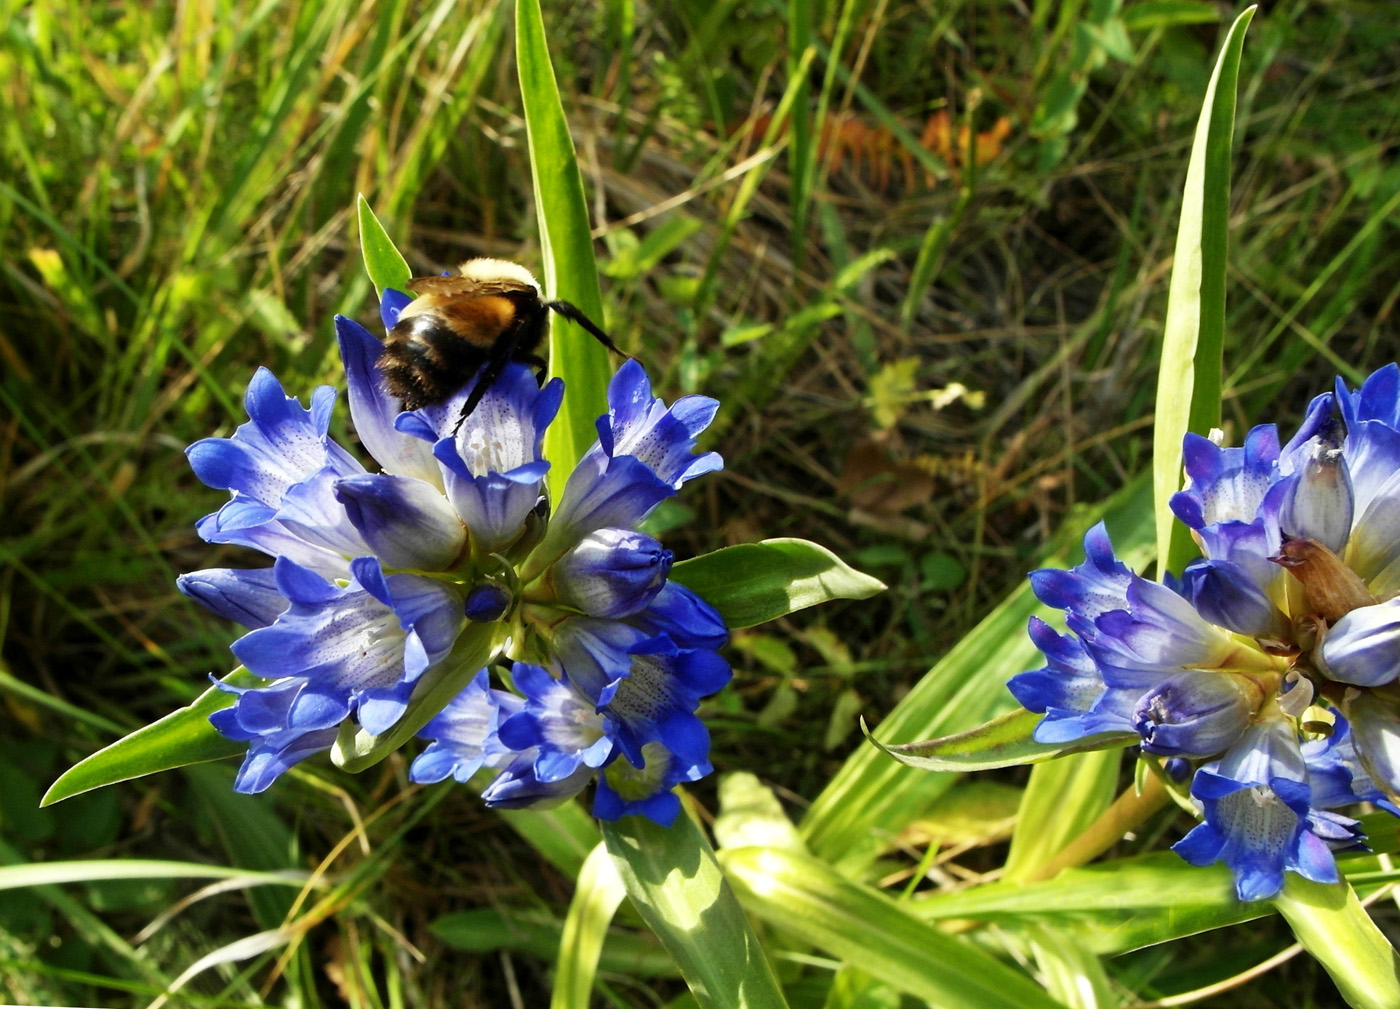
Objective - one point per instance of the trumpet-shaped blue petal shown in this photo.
(465, 734)
(404, 522)
(247, 597)
(640, 425)
(627, 789)
(374, 410)
(558, 723)
(493, 466)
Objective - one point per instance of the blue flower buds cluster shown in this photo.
(602, 660)
(1271, 666)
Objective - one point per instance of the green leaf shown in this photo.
(1331, 924)
(862, 926)
(181, 737)
(597, 895)
(89, 870)
(355, 749)
(755, 582)
(566, 244)
(1151, 14)
(384, 264)
(1005, 741)
(1189, 380)
(1061, 800)
(536, 932)
(673, 879)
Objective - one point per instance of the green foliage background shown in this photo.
(179, 209)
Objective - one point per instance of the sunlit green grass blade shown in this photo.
(755, 582)
(1189, 380)
(383, 262)
(1005, 741)
(674, 881)
(89, 870)
(1331, 924)
(1061, 799)
(1072, 974)
(597, 894)
(872, 797)
(862, 926)
(566, 244)
(1110, 907)
(181, 737)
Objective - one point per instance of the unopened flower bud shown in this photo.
(1363, 647)
(611, 573)
(1319, 502)
(487, 602)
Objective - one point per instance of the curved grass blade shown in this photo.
(597, 895)
(566, 244)
(1331, 924)
(1189, 380)
(862, 926)
(182, 737)
(674, 881)
(383, 262)
(92, 870)
(755, 582)
(1005, 741)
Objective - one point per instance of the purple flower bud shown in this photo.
(487, 603)
(612, 573)
(1319, 502)
(1363, 647)
(1196, 714)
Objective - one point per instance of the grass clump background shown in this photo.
(931, 306)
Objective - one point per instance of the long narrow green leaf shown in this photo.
(674, 881)
(597, 895)
(1331, 924)
(181, 737)
(564, 835)
(1062, 798)
(567, 246)
(862, 926)
(1189, 381)
(1005, 741)
(91, 870)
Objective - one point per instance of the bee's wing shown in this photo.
(446, 287)
(461, 287)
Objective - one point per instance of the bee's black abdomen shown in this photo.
(424, 362)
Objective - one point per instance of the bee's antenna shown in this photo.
(572, 313)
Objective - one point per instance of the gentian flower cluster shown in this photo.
(1269, 669)
(601, 659)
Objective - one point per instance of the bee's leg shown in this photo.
(572, 313)
(484, 381)
(501, 353)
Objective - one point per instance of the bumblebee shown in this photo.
(487, 315)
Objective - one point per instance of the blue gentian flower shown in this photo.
(378, 573)
(1272, 663)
